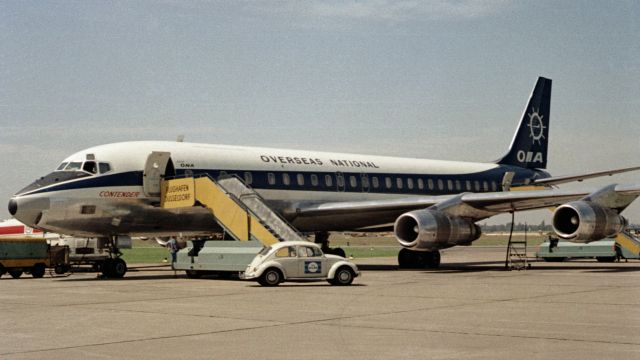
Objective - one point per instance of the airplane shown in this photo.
(113, 190)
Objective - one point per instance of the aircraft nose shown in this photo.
(13, 207)
(27, 209)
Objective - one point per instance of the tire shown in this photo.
(37, 271)
(107, 268)
(193, 274)
(339, 251)
(15, 273)
(407, 259)
(343, 276)
(270, 277)
(432, 260)
(119, 268)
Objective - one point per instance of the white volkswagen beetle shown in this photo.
(299, 261)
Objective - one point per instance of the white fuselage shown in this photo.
(117, 201)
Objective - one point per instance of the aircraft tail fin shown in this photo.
(529, 145)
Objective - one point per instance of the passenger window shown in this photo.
(316, 252)
(410, 183)
(430, 183)
(284, 252)
(271, 179)
(387, 182)
(62, 166)
(468, 183)
(399, 183)
(494, 186)
(352, 181)
(365, 182)
(300, 179)
(248, 178)
(485, 185)
(292, 251)
(328, 180)
(420, 184)
(285, 179)
(375, 182)
(306, 251)
(440, 184)
(104, 167)
(476, 184)
(314, 179)
(458, 187)
(340, 181)
(450, 185)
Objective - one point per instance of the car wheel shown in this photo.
(343, 276)
(270, 277)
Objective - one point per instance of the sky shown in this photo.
(441, 79)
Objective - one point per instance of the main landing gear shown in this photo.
(322, 238)
(410, 259)
(113, 267)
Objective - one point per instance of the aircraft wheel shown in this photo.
(15, 273)
(407, 259)
(432, 259)
(107, 268)
(270, 277)
(119, 268)
(37, 271)
(338, 251)
(343, 276)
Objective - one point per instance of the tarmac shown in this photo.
(471, 308)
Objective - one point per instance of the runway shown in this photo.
(469, 309)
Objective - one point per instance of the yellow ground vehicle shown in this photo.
(32, 255)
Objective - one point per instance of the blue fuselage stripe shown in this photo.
(316, 181)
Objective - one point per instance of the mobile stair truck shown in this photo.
(241, 213)
(31, 255)
(624, 246)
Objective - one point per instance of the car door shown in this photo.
(287, 257)
(311, 262)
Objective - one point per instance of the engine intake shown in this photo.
(582, 221)
(432, 230)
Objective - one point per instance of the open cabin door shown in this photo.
(158, 166)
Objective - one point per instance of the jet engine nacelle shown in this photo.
(432, 230)
(583, 221)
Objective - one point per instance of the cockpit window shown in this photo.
(90, 167)
(104, 168)
(62, 166)
(73, 166)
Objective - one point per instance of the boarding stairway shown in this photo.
(236, 207)
(517, 254)
(628, 242)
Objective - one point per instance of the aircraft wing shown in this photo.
(579, 177)
(472, 205)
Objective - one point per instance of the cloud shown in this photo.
(385, 10)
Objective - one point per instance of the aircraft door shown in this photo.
(158, 166)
